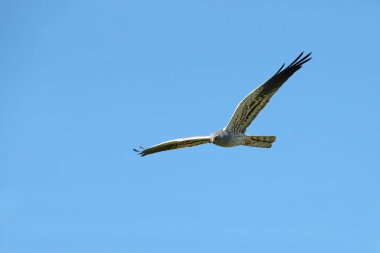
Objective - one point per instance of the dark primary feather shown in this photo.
(280, 77)
(280, 68)
(140, 152)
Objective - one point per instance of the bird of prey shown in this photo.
(247, 110)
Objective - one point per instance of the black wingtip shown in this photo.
(303, 60)
(294, 62)
(280, 68)
(284, 73)
(140, 152)
(295, 65)
(298, 62)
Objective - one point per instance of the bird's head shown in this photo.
(217, 136)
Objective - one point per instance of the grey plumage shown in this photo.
(247, 110)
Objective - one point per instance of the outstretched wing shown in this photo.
(250, 106)
(174, 144)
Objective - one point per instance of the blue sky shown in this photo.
(84, 82)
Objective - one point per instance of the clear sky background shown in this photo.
(84, 82)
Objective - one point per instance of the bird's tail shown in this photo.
(260, 141)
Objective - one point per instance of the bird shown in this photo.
(234, 133)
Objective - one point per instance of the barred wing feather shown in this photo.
(175, 144)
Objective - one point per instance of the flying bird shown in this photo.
(247, 110)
